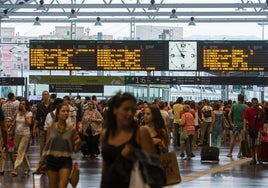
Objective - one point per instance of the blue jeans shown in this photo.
(216, 138)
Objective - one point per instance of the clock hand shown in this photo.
(182, 55)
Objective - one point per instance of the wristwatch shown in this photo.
(183, 55)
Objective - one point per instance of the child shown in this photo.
(8, 143)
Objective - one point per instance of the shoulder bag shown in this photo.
(184, 133)
(151, 169)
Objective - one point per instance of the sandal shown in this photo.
(14, 173)
(26, 172)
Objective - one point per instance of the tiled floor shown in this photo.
(229, 172)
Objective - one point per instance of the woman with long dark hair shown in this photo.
(156, 126)
(121, 133)
(22, 136)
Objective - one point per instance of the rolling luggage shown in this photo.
(210, 153)
(245, 149)
(264, 151)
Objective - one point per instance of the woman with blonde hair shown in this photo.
(187, 122)
(91, 128)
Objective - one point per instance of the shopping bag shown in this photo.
(171, 168)
(136, 180)
(184, 133)
(74, 177)
(151, 169)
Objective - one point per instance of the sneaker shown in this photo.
(187, 158)
(182, 155)
(192, 155)
(239, 155)
(253, 162)
(229, 155)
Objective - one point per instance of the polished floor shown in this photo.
(229, 172)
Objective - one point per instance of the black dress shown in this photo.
(117, 168)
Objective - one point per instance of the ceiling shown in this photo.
(129, 11)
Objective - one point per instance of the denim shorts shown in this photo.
(57, 163)
(237, 130)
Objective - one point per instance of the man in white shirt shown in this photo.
(51, 116)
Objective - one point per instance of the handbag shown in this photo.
(226, 123)
(184, 133)
(74, 177)
(171, 168)
(77, 143)
(151, 169)
(136, 180)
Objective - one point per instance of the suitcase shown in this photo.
(264, 151)
(210, 153)
(84, 149)
(245, 149)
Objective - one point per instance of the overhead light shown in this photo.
(72, 15)
(265, 7)
(173, 15)
(152, 6)
(21, 2)
(192, 22)
(41, 6)
(5, 15)
(36, 21)
(98, 22)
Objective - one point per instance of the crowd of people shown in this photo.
(111, 129)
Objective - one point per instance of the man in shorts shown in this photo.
(235, 117)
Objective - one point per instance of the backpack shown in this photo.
(207, 113)
(52, 116)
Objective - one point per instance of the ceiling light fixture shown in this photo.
(5, 15)
(41, 6)
(98, 22)
(265, 7)
(173, 15)
(72, 15)
(192, 22)
(37, 21)
(152, 5)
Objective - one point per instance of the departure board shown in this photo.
(128, 55)
(232, 55)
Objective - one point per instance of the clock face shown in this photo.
(182, 55)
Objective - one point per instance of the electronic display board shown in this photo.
(63, 88)
(232, 55)
(128, 55)
(11, 81)
(192, 80)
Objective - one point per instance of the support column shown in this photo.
(132, 29)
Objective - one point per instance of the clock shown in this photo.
(183, 55)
